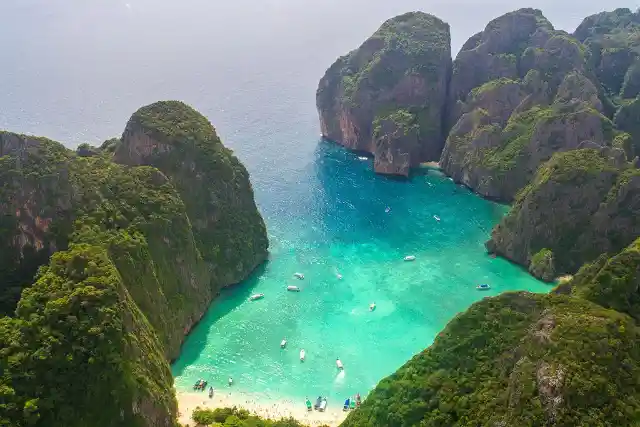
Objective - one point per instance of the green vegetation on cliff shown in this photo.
(612, 282)
(126, 280)
(229, 231)
(404, 66)
(514, 360)
(580, 203)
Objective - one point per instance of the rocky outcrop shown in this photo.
(130, 275)
(29, 205)
(573, 226)
(179, 141)
(401, 71)
(498, 157)
(494, 54)
(614, 41)
(506, 127)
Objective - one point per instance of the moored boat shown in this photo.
(410, 258)
(299, 275)
(483, 287)
(302, 355)
(293, 288)
(283, 343)
(372, 306)
(339, 364)
(323, 405)
(256, 297)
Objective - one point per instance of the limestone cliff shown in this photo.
(614, 41)
(388, 96)
(229, 231)
(509, 120)
(127, 279)
(580, 204)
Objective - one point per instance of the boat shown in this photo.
(372, 306)
(339, 276)
(230, 381)
(363, 158)
(323, 405)
(353, 404)
(299, 275)
(283, 343)
(256, 296)
(339, 364)
(318, 402)
(346, 404)
(308, 403)
(483, 287)
(387, 210)
(410, 258)
(210, 392)
(436, 217)
(302, 355)
(358, 399)
(293, 288)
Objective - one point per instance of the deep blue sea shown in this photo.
(75, 70)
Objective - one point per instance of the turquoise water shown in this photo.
(332, 221)
(252, 68)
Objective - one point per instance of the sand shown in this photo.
(261, 406)
(430, 165)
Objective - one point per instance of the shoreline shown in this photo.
(257, 404)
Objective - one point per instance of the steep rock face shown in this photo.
(614, 41)
(546, 104)
(34, 192)
(513, 360)
(403, 69)
(494, 54)
(127, 280)
(574, 226)
(497, 157)
(179, 141)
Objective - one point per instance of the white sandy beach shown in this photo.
(273, 409)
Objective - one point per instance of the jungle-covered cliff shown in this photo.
(549, 121)
(120, 276)
(388, 96)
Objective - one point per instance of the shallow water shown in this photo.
(332, 220)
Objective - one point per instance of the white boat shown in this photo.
(256, 296)
(372, 306)
(410, 258)
(302, 355)
(339, 364)
(323, 405)
(283, 343)
(388, 209)
(293, 288)
(299, 275)
(339, 276)
(230, 381)
(436, 217)
(363, 158)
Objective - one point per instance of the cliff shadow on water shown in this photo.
(229, 299)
